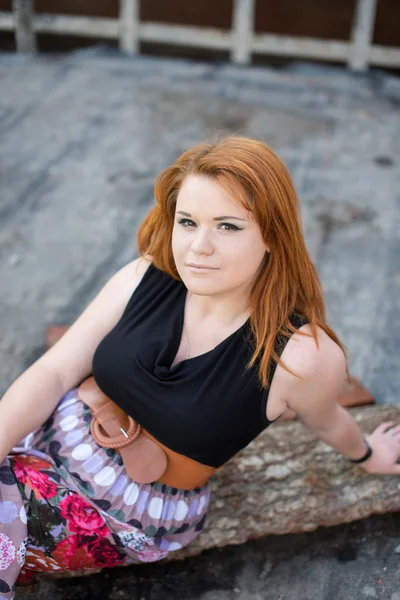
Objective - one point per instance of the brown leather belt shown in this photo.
(145, 458)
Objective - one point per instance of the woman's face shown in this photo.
(216, 243)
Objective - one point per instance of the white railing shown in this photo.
(241, 40)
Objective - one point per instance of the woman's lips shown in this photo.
(200, 268)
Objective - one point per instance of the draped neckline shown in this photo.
(176, 337)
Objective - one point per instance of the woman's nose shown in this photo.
(202, 244)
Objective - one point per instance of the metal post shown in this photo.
(25, 38)
(242, 30)
(362, 34)
(129, 26)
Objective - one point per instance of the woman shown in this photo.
(205, 340)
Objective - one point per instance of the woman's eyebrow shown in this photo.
(228, 217)
(186, 214)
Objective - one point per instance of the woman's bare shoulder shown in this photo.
(123, 283)
(306, 356)
(133, 272)
(318, 373)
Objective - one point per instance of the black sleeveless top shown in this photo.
(208, 407)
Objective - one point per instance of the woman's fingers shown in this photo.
(383, 427)
(394, 430)
(385, 443)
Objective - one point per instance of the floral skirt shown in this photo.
(68, 504)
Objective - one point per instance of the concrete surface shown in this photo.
(82, 138)
(353, 562)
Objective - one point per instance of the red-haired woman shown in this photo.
(203, 342)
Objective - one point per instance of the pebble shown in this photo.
(14, 260)
(397, 550)
(369, 592)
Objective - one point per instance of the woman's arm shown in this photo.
(26, 405)
(313, 399)
(31, 399)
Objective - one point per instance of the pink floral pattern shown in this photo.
(81, 516)
(104, 553)
(151, 555)
(7, 552)
(27, 471)
(77, 508)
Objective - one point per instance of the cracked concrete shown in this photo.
(83, 137)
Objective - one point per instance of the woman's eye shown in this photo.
(230, 227)
(186, 222)
(224, 226)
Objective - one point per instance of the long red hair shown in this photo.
(287, 281)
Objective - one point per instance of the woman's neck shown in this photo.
(226, 309)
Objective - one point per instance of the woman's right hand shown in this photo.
(385, 444)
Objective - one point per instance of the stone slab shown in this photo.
(83, 137)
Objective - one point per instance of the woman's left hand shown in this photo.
(385, 444)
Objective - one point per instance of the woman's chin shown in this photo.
(202, 287)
